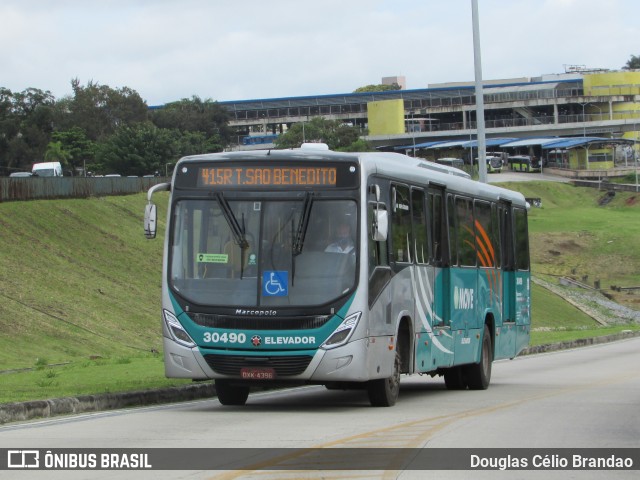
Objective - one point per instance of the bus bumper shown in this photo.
(182, 362)
(346, 363)
(357, 361)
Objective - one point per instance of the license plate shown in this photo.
(258, 373)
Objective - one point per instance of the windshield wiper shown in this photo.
(237, 230)
(301, 232)
(303, 224)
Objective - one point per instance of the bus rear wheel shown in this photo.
(478, 375)
(230, 394)
(383, 392)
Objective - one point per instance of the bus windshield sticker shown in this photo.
(275, 283)
(213, 258)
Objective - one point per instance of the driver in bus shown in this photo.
(344, 241)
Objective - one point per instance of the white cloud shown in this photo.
(167, 50)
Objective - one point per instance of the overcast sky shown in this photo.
(167, 50)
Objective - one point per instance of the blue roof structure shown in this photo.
(545, 143)
(526, 142)
(490, 142)
(419, 145)
(573, 142)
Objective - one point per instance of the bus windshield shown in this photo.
(267, 253)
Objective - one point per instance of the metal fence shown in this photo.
(33, 188)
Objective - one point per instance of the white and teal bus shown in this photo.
(435, 279)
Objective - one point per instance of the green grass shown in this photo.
(554, 320)
(571, 235)
(79, 279)
(87, 377)
(80, 285)
(549, 312)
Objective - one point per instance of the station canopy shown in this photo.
(529, 142)
(582, 141)
(542, 142)
(419, 145)
(437, 145)
(490, 142)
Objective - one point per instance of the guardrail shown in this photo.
(34, 188)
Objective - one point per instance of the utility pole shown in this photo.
(477, 60)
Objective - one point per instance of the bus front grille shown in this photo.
(283, 366)
(262, 323)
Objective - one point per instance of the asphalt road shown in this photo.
(582, 398)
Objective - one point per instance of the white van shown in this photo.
(47, 169)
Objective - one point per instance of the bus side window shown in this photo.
(379, 271)
(465, 232)
(436, 221)
(506, 236)
(400, 223)
(421, 253)
(486, 248)
(522, 239)
(495, 234)
(377, 249)
(453, 238)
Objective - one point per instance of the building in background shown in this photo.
(588, 103)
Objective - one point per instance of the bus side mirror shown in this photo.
(150, 220)
(380, 226)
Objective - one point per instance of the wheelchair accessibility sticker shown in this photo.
(275, 283)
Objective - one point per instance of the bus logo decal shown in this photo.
(463, 298)
(256, 340)
(275, 283)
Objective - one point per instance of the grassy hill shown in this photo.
(573, 235)
(80, 285)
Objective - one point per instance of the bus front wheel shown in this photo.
(383, 392)
(230, 394)
(478, 375)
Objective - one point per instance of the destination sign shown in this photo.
(267, 176)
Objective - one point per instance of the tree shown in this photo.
(195, 115)
(144, 148)
(633, 63)
(56, 153)
(193, 143)
(378, 88)
(334, 133)
(79, 149)
(99, 110)
(136, 150)
(26, 120)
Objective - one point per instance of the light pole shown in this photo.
(477, 60)
(584, 125)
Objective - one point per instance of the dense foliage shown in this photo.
(336, 134)
(633, 63)
(103, 130)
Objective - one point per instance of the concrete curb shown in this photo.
(22, 411)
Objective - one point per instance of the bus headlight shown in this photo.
(178, 333)
(343, 333)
